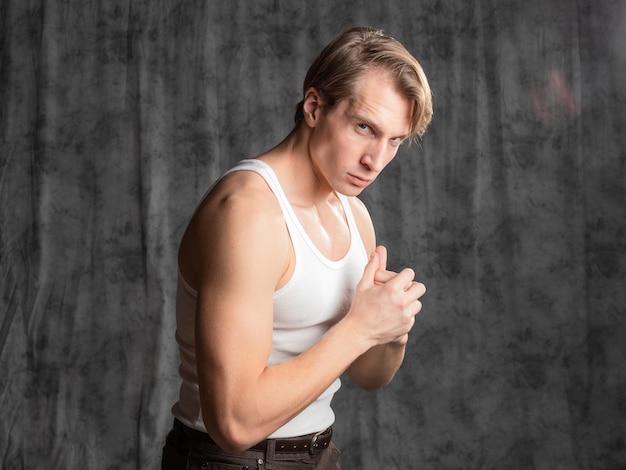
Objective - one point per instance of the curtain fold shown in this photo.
(116, 117)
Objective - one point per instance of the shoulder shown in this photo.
(358, 208)
(243, 190)
(240, 219)
(240, 199)
(363, 222)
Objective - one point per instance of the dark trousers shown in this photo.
(186, 449)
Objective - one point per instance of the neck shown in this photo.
(292, 162)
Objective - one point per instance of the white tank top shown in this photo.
(317, 295)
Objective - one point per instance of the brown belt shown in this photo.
(308, 443)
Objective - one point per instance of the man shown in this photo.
(281, 286)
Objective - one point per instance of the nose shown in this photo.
(375, 157)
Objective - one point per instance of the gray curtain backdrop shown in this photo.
(116, 116)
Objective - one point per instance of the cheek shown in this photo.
(336, 147)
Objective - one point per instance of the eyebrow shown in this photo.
(359, 117)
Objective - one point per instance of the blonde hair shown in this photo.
(357, 50)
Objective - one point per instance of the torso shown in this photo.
(327, 227)
(324, 222)
(300, 314)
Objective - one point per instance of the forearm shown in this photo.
(244, 401)
(377, 367)
(238, 415)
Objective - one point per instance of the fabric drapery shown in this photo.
(115, 117)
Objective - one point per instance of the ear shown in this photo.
(312, 106)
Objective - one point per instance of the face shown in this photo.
(352, 143)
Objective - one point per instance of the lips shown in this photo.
(358, 181)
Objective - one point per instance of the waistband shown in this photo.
(308, 443)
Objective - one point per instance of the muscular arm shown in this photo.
(242, 254)
(236, 250)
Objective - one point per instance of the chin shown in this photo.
(349, 191)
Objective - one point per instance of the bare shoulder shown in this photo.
(240, 219)
(363, 222)
(241, 191)
(358, 207)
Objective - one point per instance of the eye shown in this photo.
(365, 130)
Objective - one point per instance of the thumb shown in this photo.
(369, 273)
(382, 252)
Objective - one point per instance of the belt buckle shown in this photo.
(314, 440)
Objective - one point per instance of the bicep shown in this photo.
(241, 257)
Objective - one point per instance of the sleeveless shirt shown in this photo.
(318, 294)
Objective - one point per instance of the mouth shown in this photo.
(358, 181)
